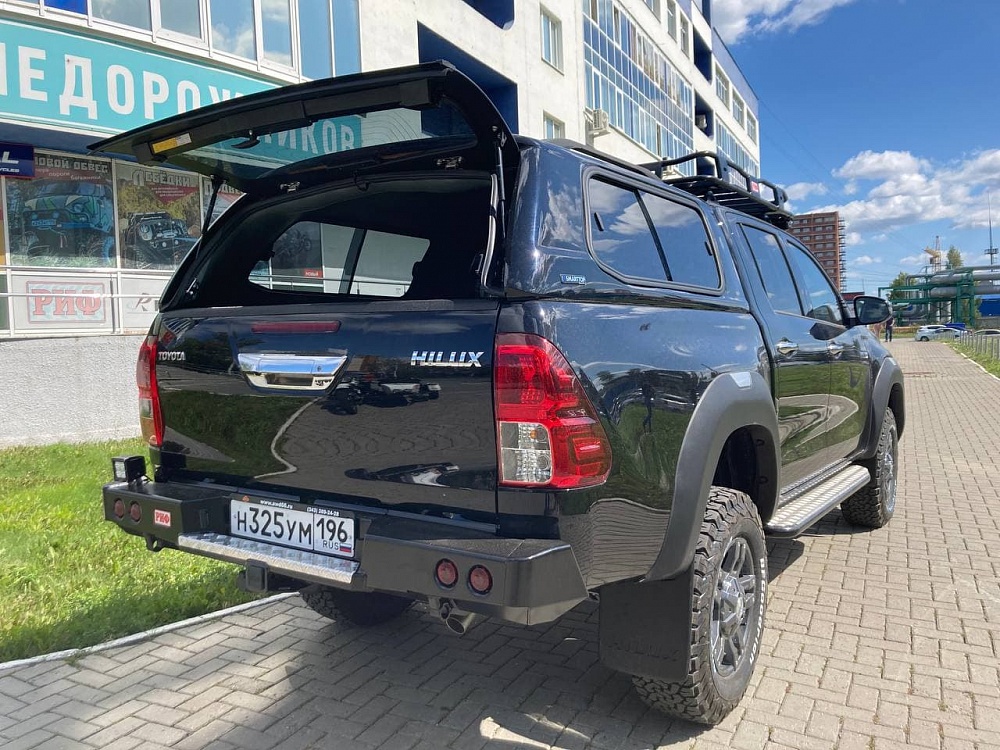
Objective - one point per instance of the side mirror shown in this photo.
(871, 310)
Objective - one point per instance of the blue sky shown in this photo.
(886, 110)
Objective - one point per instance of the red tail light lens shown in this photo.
(548, 433)
(150, 415)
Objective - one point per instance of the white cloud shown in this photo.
(906, 190)
(866, 260)
(913, 260)
(801, 190)
(737, 18)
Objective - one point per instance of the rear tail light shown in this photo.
(150, 415)
(480, 580)
(548, 431)
(446, 573)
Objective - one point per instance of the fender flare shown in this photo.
(732, 401)
(889, 376)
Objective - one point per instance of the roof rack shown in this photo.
(719, 180)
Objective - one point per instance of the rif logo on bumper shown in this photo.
(454, 359)
(161, 517)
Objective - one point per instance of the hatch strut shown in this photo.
(217, 183)
(501, 138)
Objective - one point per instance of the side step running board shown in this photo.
(792, 519)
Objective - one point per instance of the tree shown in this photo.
(902, 279)
(954, 257)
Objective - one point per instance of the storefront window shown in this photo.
(70, 6)
(181, 16)
(314, 38)
(159, 215)
(233, 27)
(276, 23)
(133, 13)
(64, 216)
(4, 304)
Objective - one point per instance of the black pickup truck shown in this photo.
(501, 376)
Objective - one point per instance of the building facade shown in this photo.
(823, 234)
(87, 244)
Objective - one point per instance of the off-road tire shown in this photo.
(361, 608)
(874, 505)
(706, 696)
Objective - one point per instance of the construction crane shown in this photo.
(935, 253)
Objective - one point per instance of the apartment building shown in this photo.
(823, 234)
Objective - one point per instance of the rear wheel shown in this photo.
(361, 608)
(727, 618)
(874, 505)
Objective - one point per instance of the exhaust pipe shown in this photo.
(457, 620)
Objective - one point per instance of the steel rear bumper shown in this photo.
(534, 580)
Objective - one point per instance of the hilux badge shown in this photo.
(439, 359)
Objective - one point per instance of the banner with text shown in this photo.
(61, 302)
(60, 78)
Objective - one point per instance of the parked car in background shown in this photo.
(936, 331)
(988, 332)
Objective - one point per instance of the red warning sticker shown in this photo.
(161, 517)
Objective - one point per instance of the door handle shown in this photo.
(290, 372)
(834, 348)
(786, 348)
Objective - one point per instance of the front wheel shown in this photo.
(727, 617)
(874, 505)
(361, 608)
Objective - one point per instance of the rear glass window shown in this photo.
(254, 155)
(685, 243)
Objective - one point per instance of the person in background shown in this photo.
(888, 328)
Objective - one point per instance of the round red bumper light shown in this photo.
(446, 573)
(119, 508)
(480, 580)
(135, 511)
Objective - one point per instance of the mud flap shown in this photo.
(645, 628)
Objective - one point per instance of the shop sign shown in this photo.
(140, 301)
(61, 302)
(58, 78)
(17, 160)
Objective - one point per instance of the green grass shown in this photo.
(69, 579)
(989, 364)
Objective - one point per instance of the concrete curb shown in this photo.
(137, 637)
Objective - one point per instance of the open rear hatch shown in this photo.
(321, 130)
(333, 338)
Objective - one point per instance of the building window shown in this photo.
(672, 19)
(732, 148)
(685, 37)
(739, 108)
(654, 5)
(233, 29)
(276, 24)
(752, 127)
(551, 40)
(181, 17)
(553, 128)
(315, 47)
(626, 74)
(134, 14)
(722, 86)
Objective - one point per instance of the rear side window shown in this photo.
(685, 243)
(649, 237)
(773, 268)
(620, 234)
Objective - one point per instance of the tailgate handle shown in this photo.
(290, 372)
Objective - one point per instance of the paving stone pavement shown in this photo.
(874, 640)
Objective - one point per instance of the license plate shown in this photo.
(292, 525)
